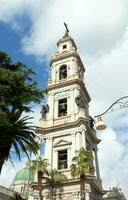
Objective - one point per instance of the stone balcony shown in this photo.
(66, 172)
(64, 52)
(45, 123)
(62, 120)
(76, 75)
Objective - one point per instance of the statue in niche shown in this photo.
(45, 110)
(79, 101)
(92, 121)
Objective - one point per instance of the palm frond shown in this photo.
(39, 165)
(82, 163)
(55, 177)
(17, 133)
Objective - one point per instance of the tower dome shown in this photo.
(23, 175)
(21, 182)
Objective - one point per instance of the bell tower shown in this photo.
(66, 125)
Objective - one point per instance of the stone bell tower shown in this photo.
(65, 124)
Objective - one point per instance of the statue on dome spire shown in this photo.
(66, 30)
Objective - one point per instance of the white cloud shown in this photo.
(9, 171)
(107, 76)
(100, 29)
(98, 26)
(113, 160)
(97, 32)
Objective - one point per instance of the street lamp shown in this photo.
(100, 124)
(117, 105)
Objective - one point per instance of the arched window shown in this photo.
(63, 72)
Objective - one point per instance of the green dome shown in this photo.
(23, 175)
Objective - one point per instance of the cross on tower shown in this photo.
(66, 26)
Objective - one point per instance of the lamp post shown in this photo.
(120, 103)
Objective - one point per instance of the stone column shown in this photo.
(69, 160)
(83, 139)
(87, 196)
(50, 115)
(83, 136)
(73, 147)
(97, 163)
(49, 150)
(57, 76)
(78, 140)
(53, 73)
(55, 159)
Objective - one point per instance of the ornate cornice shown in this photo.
(57, 57)
(67, 83)
(77, 123)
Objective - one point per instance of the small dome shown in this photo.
(23, 175)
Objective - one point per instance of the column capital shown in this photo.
(50, 138)
(95, 148)
(73, 134)
(83, 128)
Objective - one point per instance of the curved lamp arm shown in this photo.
(120, 105)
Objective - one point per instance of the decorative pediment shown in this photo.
(62, 143)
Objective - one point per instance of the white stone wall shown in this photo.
(71, 139)
(64, 135)
(69, 191)
(73, 112)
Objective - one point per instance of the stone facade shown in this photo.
(67, 131)
(66, 125)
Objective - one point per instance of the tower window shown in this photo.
(62, 159)
(63, 72)
(62, 107)
(64, 46)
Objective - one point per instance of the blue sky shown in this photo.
(10, 42)
(29, 32)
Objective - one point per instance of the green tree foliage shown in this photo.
(39, 166)
(17, 91)
(54, 178)
(82, 166)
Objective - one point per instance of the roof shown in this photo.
(5, 193)
(23, 175)
(114, 193)
(66, 38)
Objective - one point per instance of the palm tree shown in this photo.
(54, 178)
(82, 166)
(15, 132)
(29, 150)
(39, 166)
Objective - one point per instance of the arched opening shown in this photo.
(62, 107)
(63, 72)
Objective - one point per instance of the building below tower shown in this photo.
(114, 193)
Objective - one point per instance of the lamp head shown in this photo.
(100, 124)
